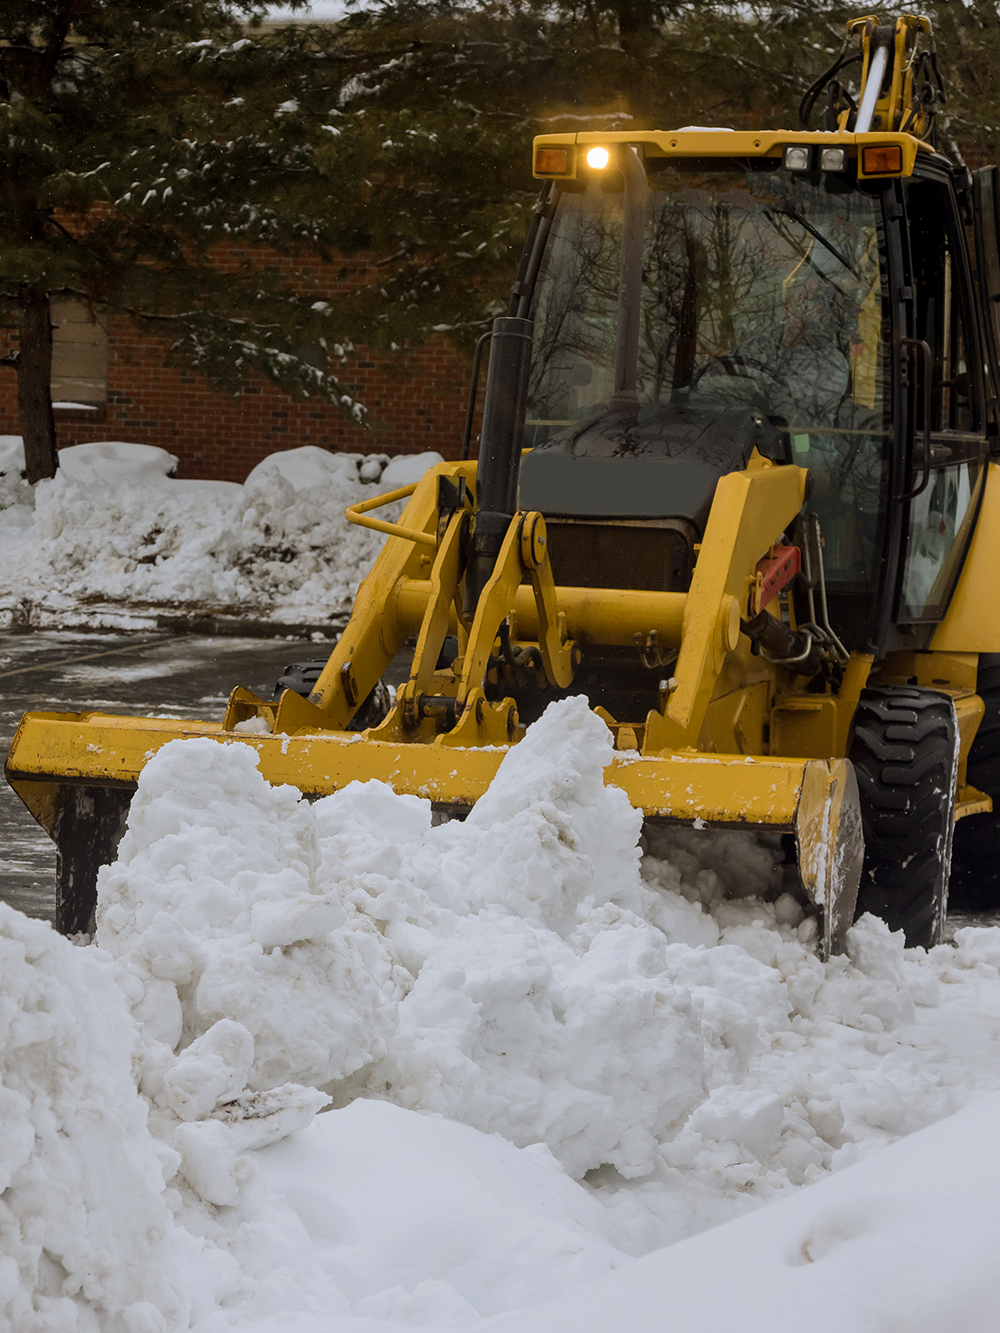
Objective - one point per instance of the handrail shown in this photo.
(927, 356)
(470, 411)
(357, 514)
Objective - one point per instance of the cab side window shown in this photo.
(941, 315)
(940, 517)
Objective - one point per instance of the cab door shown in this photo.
(949, 438)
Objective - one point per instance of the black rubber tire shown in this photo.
(975, 867)
(89, 825)
(905, 755)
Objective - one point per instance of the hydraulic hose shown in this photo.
(784, 645)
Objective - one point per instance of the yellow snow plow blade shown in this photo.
(60, 763)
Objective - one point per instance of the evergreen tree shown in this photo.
(137, 137)
(142, 136)
(447, 98)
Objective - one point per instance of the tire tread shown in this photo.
(904, 756)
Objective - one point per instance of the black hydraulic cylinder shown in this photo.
(783, 644)
(503, 416)
(499, 449)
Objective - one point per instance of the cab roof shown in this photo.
(705, 142)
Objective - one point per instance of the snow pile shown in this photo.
(114, 527)
(523, 973)
(495, 970)
(620, 1053)
(84, 1222)
(906, 1241)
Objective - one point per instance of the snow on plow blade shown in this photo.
(76, 773)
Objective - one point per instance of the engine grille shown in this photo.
(645, 557)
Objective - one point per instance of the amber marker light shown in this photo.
(882, 160)
(552, 161)
(598, 158)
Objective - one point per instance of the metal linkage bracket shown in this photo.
(472, 717)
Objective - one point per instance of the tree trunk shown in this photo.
(34, 376)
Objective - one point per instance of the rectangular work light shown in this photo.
(833, 159)
(798, 157)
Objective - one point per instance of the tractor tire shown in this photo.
(905, 754)
(89, 825)
(975, 869)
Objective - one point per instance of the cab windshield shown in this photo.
(698, 311)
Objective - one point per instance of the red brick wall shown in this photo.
(415, 400)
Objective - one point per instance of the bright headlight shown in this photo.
(598, 158)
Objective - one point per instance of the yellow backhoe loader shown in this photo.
(734, 484)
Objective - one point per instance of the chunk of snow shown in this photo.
(405, 469)
(211, 1070)
(253, 726)
(303, 468)
(113, 461)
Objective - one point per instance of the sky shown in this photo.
(320, 9)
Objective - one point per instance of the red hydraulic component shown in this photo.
(777, 570)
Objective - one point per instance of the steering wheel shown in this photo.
(734, 366)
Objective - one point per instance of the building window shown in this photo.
(79, 354)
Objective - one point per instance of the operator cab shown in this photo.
(690, 311)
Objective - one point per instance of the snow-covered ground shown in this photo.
(114, 539)
(568, 1088)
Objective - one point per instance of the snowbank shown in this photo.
(430, 1216)
(546, 1058)
(115, 534)
(907, 1241)
(85, 1227)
